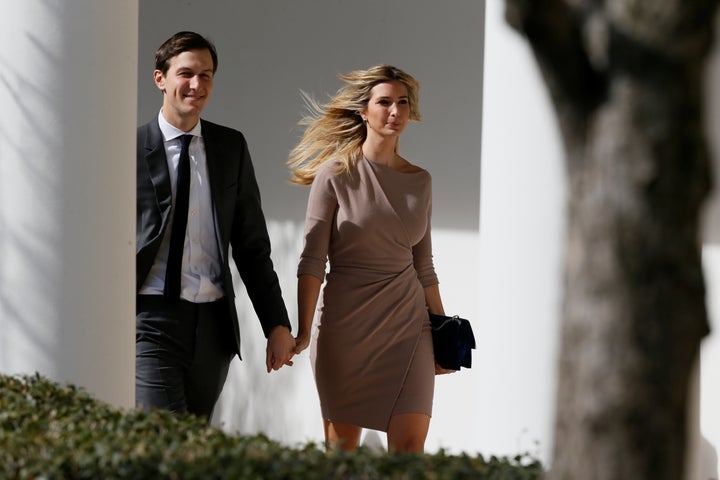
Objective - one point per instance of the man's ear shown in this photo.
(159, 80)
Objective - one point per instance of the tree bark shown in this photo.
(626, 80)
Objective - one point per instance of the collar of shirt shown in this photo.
(171, 132)
(201, 279)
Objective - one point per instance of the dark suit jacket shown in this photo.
(239, 220)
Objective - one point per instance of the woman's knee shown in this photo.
(407, 432)
(412, 444)
(343, 436)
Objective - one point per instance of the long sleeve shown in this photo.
(422, 256)
(319, 219)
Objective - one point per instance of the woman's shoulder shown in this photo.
(408, 167)
(330, 170)
(400, 165)
(417, 174)
(331, 174)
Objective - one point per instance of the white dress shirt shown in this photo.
(201, 277)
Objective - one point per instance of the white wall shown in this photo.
(521, 248)
(268, 52)
(284, 404)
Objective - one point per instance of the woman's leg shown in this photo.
(407, 432)
(341, 435)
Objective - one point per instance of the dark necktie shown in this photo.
(180, 216)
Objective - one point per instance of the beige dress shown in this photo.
(373, 348)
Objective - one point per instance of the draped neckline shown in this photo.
(386, 167)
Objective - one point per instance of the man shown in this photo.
(196, 196)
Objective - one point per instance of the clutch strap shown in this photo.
(454, 318)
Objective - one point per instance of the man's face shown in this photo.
(186, 87)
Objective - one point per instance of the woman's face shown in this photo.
(388, 110)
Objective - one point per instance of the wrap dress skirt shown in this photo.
(373, 355)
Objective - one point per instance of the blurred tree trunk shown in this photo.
(626, 80)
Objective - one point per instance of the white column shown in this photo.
(68, 92)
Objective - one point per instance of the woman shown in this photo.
(369, 214)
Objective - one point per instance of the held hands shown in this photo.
(280, 348)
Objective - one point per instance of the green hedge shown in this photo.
(49, 431)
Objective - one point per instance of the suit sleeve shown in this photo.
(251, 249)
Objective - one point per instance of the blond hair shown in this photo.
(335, 130)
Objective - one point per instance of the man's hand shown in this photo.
(280, 348)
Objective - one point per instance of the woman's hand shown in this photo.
(301, 342)
(442, 371)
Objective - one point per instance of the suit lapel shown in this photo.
(212, 156)
(157, 164)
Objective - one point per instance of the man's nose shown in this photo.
(194, 81)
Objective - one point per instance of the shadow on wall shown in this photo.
(29, 248)
(282, 404)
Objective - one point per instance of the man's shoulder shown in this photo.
(221, 136)
(146, 128)
(216, 128)
(148, 136)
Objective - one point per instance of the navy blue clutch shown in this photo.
(453, 341)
